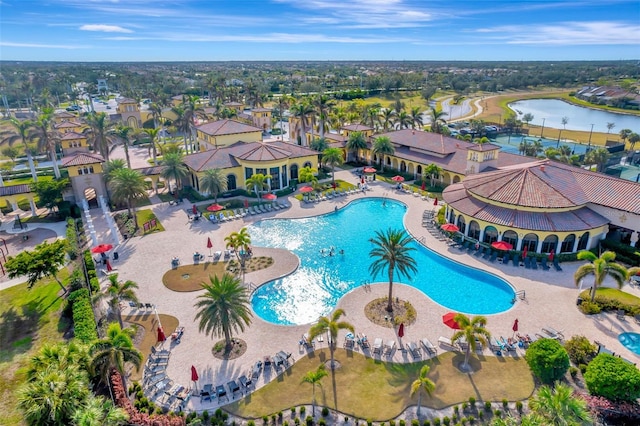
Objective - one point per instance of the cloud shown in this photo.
(104, 28)
(44, 46)
(285, 38)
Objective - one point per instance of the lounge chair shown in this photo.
(479, 252)
(556, 264)
(552, 333)
(487, 253)
(527, 263)
(377, 345)
(362, 340)
(414, 349)
(268, 207)
(516, 260)
(227, 255)
(543, 263)
(446, 342)
(221, 392)
(217, 255)
(428, 346)
(534, 263)
(390, 347)
(493, 257)
(465, 245)
(245, 382)
(509, 346)
(506, 259)
(637, 318)
(620, 314)
(498, 345)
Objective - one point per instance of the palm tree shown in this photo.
(239, 242)
(416, 118)
(387, 116)
(624, 134)
(473, 330)
(355, 143)
(127, 185)
(600, 268)
(99, 127)
(301, 111)
(558, 406)
(283, 103)
(634, 138)
(599, 157)
(308, 174)
(319, 144)
(20, 133)
(45, 137)
(113, 352)
(223, 308)
(123, 135)
(213, 181)
(99, 412)
(120, 291)
(322, 105)
(153, 141)
(174, 169)
(433, 171)
(111, 166)
(436, 119)
(371, 116)
(527, 118)
(403, 120)
(610, 127)
(332, 157)
(314, 378)
(259, 183)
(382, 146)
(330, 325)
(391, 251)
(422, 383)
(182, 123)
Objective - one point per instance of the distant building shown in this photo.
(221, 133)
(129, 111)
(103, 87)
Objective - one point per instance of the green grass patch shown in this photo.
(368, 388)
(145, 216)
(28, 320)
(615, 294)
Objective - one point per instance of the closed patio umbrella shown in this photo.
(161, 336)
(401, 330)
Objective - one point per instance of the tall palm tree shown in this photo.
(120, 291)
(382, 146)
(114, 352)
(174, 169)
(214, 182)
(182, 123)
(239, 242)
(259, 183)
(314, 378)
(624, 134)
(153, 142)
(20, 133)
(416, 118)
(634, 138)
(332, 157)
(156, 113)
(223, 308)
(127, 185)
(320, 145)
(99, 130)
(436, 117)
(301, 110)
(99, 412)
(322, 105)
(433, 171)
(599, 157)
(387, 116)
(330, 325)
(558, 406)
(600, 268)
(111, 166)
(474, 331)
(391, 251)
(355, 143)
(403, 120)
(422, 384)
(371, 116)
(283, 103)
(45, 137)
(123, 135)
(192, 111)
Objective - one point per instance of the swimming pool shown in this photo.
(630, 341)
(321, 280)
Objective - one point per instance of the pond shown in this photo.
(580, 118)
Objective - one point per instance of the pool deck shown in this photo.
(550, 295)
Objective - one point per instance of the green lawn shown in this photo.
(145, 216)
(370, 389)
(28, 320)
(613, 293)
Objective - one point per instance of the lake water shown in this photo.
(580, 118)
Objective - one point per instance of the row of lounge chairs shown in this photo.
(143, 307)
(334, 193)
(241, 213)
(529, 262)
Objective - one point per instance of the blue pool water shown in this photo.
(321, 280)
(630, 341)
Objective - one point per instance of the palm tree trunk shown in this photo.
(390, 304)
(126, 154)
(313, 400)
(418, 408)
(32, 167)
(56, 169)
(466, 355)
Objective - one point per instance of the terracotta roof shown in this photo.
(82, 158)
(357, 127)
(72, 136)
(483, 147)
(126, 101)
(64, 114)
(226, 157)
(153, 170)
(5, 191)
(227, 127)
(67, 124)
(426, 141)
(261, 110)
(233, 104)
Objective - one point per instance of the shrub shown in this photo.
(573, 371)
(497, 412)
(249, 423)
(582, 368)
(589, 308)
(426, 423)
(446, 421)
(472, 402)
(465, 405)
(505, 402)
(580, 350)
(392, 423)
(322, 422)
(402, 422)
(547, 359)
(303, 410)
(415, 422)
(83, 321)
(613, 378)
(519, 406)
(296, 421)
(436, 421)
(309, 420)
(487, 406)
(325, 411)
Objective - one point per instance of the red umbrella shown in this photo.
(270, 197)
(161, 336)
(246, 204)
(369, 170)
(551, 254)
(215, 208)
(524, 252)
(102, 248)
(450, 227)
(306, 189)
(209, 244)
(449, 321)
(435, 201)
(401, 330)
(194, 374)
(109, 268)
(423, 186)
(515, 325)
(194, 209)
(501, 245)
(397, 179)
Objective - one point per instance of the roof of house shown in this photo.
(126, 101)
(426, 141)
(153, 170)
(357, 127)
(72, 136)
(82, 158)
(23, 188)
(261, 110)
(64, 114)
(227, 157)
(67, 124)
(227, 127)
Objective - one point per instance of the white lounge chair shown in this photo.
(445, 341)
(428, 346)
(377, 345)
(390, 347)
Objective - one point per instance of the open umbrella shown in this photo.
(449, 227)
(401, 330)
(306, 189)
(369, 170)
(269, 197)
(501, 245)
(215, 208)
(194, 209)
(449, 321)
(397, 178)
(102, 248)
(161, 336)
(551, 254)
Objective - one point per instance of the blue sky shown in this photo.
(195, 30)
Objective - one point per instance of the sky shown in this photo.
(243, 30)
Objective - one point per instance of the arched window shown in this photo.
(388, 162)
(510, 237)
(474, 229)
(419, 170)
(294, 171)
(530, 241)
(307, 164)
(231, 182)
(456, 179)
(403, 166)
(490, 235)
(568, 243)
(461, 223)
(549, 243)
(584, 240)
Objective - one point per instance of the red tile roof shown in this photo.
(227, 127)
(67, 124)
(357, 127)
(23, 188)
(82, 158)
(72, 136)
(425, 141)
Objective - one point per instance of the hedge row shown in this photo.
(624, 252)
(83, 320)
